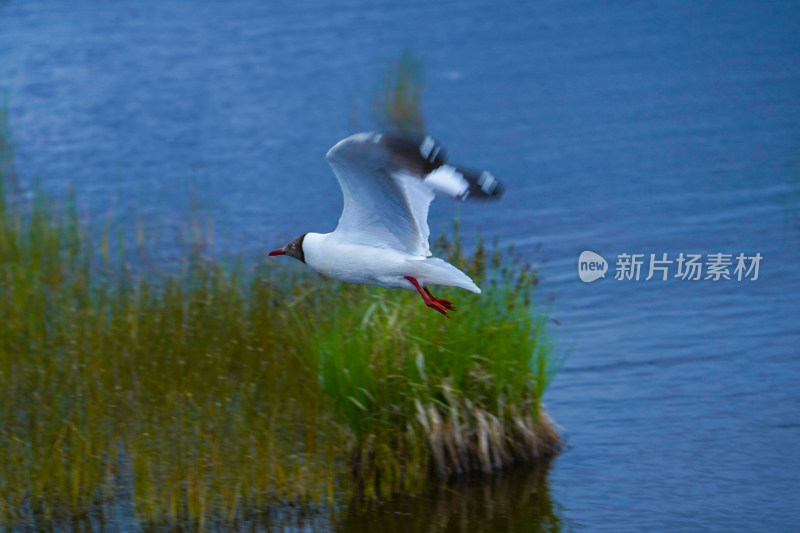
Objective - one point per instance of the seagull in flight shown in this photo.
(388, 182)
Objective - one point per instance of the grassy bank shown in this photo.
(210, 388)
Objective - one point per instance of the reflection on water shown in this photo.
(513, 501)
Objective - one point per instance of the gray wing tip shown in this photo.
(421, 153)
(482, 185)
(465, 184)
(423, 156)
(426, 155)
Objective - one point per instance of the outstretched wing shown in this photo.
(388, 183)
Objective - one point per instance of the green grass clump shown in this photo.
(421, 393)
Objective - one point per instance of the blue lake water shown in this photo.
(634, 127)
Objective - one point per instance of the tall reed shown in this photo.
(220, 387)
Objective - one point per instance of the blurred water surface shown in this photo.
(630, 127)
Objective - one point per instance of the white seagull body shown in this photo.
(388, 183)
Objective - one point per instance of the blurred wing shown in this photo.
(385, 201)
(388, 183)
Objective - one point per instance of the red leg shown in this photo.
(428, 301)
(445, 303)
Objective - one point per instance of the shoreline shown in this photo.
(231, 387)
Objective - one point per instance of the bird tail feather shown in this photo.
(434, 271)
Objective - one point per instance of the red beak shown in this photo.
(279, 251)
